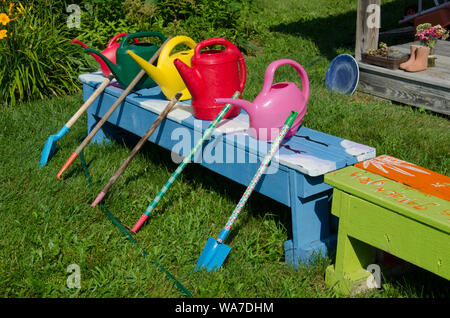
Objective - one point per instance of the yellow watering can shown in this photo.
(165, 73)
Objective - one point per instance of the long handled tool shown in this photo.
(136, 148)
(97, 127)
(183, 164)
(215, 251)
(50, 145)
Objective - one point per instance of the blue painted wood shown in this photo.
(297, 183)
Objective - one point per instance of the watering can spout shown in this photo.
(101, 58)
(190, 76)
(249, 107)
(150, 69)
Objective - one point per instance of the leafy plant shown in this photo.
(36, 55)
(384, 50)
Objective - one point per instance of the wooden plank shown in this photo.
(442, 47)
(392, 195)
(421, 13)
(433, 96)
(410, 174)
(433, 76)
(412, 241)
(366, 34)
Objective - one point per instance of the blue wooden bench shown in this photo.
(296, 175)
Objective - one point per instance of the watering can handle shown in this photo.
(270, 73)
(181, 39)
(243, 72)
(230, 47)
(141, 35)
(118, 36)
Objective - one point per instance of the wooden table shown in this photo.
(296, 176)
(377, 212)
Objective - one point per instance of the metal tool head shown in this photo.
(213, 255)
(48, 150)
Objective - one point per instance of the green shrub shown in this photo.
(201, 19)
(37, 58)
(198, 19)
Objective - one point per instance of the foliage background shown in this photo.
(38, 59)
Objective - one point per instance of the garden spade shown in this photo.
(136, 148)
(116, 104)
(50, 145)
(182, 165)
(215, 251)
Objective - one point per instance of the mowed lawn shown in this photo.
(47, 224)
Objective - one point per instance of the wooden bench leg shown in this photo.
(349, 274)
(311, 235)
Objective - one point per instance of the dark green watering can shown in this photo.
(126, 69)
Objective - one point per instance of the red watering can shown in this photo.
(109, 52)
(213, 73)
(274, 103)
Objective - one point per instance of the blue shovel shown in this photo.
(50, 145)
(215, 251)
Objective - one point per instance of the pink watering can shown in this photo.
(274, 103)
(109, 52)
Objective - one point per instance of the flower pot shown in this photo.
(432, 60)
(387, 62)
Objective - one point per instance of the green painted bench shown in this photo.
(377, 212)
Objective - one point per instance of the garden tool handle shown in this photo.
(90, 100)
(138, 146)
(141, 35)
(183, 164)
(262, 168)
(116, 104)
(119, 100)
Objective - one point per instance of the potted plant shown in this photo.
(384, 56)
(428, 35)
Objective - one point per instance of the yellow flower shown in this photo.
(3, 34)
(4, 19)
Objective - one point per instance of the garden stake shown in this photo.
(183, 164)
(97, 127)
(215, 251)
(136, 148)
(50, 145)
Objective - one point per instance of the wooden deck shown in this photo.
(429, 88)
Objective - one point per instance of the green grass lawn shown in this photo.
(47, 224)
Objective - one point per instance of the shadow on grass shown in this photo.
(334, 33)
(420, 282)
(195, 174)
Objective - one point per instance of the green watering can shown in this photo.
(126, 69)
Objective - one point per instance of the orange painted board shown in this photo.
(419, 178)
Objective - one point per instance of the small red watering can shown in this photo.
(109, 52)
(213, 73)
(274, 103)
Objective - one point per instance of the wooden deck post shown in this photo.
(367, 26)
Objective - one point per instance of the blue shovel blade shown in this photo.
(49, 150)
(213, 255)
(50, 145)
